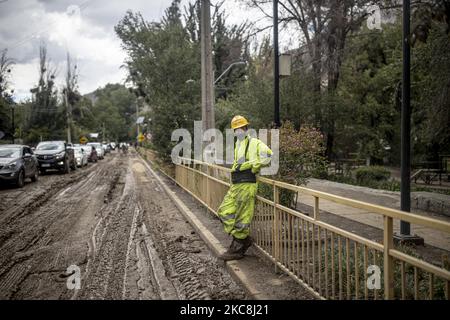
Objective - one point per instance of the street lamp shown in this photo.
(405, 187)
(286, 61)
(227, 70)
(406, 118)
(222, 90)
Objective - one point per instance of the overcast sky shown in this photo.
(85, 28)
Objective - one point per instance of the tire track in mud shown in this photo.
(122, 264)
(42, 218)
(106, 266)
(145, 272)
(117, 224)
(194, 272)
(38, 246)
(34, 196)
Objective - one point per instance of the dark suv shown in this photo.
(17, 162)
(55, 155)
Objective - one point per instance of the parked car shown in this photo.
(98, 147)
(81, 156)
(17, 162)
(106, 148)
(55, 155)
(88, 151)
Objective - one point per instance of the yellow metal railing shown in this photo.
(330, 261)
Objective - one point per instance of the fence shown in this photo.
(331, 262)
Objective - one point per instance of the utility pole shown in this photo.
(66, 98)
(68, 116)
(208, 120)
(276, 66)
(137, 116)
(12, 123)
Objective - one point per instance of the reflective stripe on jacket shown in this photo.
(251, 153)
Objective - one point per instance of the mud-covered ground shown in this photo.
(113, 222)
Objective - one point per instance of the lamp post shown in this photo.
(276, 66)
(137, 117)
(68, 115)
(405, 229)
(405, 170)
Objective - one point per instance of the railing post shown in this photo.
(275, 244)
(316, 208)
(176, 173)
(388, 243)
(208, 202)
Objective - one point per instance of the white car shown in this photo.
(98, 147)
(105, 148)
(81, 156)
(87, 149)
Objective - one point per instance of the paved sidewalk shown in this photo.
(380, 197)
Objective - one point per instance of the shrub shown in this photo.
(368, 175)
(301, 153)
(301, 157)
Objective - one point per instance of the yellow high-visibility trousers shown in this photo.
(237, 208)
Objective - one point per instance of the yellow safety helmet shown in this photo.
(238, 122)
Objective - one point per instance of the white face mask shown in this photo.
(240, 134)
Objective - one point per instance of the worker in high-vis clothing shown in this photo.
(236, 210)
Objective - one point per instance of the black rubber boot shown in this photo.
(244, 244)
(234, 252)
(247, 242)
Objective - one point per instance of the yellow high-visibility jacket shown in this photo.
(258, 155)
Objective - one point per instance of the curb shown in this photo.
(234, 267)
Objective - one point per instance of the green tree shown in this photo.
(370, 94)
(323, 28)
(46, 117)
(161, 59)
(6, 100)
(110, 111)
(164, 64)
(368, 119)
(431, 94)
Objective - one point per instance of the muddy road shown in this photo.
(110, 226)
